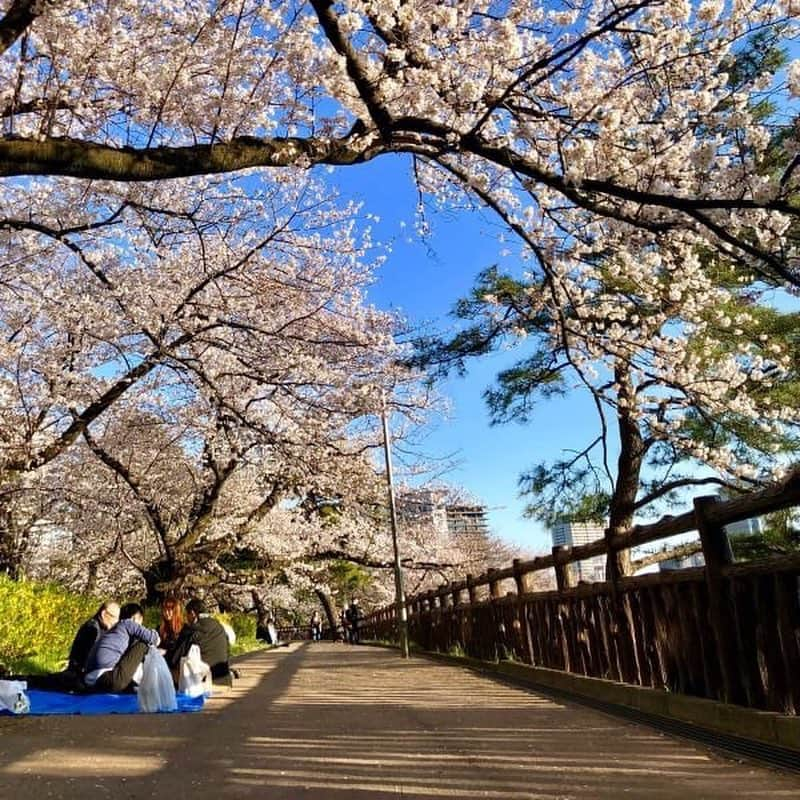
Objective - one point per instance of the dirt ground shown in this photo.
(331, 721)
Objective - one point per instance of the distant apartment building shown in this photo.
(747, 527)
(463, 520)
(685, 562)
(423, 507)
(572, 534)
(430, 506)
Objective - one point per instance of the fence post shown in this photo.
(563, 570)
(717, 553)
(520, 577)
(473, 592)
(494, 585)
(523, 626)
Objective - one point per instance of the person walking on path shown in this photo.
(355, 616)
(316, 627)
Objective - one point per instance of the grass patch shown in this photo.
(244, 626)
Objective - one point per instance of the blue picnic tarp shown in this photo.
(45, 703)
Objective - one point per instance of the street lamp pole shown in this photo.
(399, 594)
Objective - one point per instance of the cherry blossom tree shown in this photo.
(705, 377)
(200, 502)
(241, 311)
(125, 295)
(684, 354)
(280, 515)
(582, 124)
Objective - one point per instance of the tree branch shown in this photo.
(681, 551)
(116, 466)
(678, 484)
(374, 563)
(82, 159)
(18, 18)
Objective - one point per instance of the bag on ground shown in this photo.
(156, 691)
(14, 698)
(195, 675)
(229, 632)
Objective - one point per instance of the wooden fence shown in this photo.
(727, 631)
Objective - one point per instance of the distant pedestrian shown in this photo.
(345, 622)
(316, 627)
(355, 617)
(270, 632)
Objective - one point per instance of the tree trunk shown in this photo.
(262, 614)
(160, 579)
(620, 520)
(330, 612)
(14, 545)
(9, 562)
(629, 467)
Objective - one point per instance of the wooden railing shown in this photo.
(725, 631)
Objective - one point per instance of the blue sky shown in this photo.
(423, 280)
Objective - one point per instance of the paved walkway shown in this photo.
(329, 721)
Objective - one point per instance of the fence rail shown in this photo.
(725, 631)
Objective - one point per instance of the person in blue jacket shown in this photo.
(115, 663)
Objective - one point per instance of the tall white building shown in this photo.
(572, 534)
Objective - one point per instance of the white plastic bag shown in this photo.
(229, 632)
(156, 691)
(13, 697)
(194, 678)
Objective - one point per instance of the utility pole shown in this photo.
(399, 594)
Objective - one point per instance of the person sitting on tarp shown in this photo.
(115, 663)
(171, 624)
(72, 678)
(209, 635)
(107, 617)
